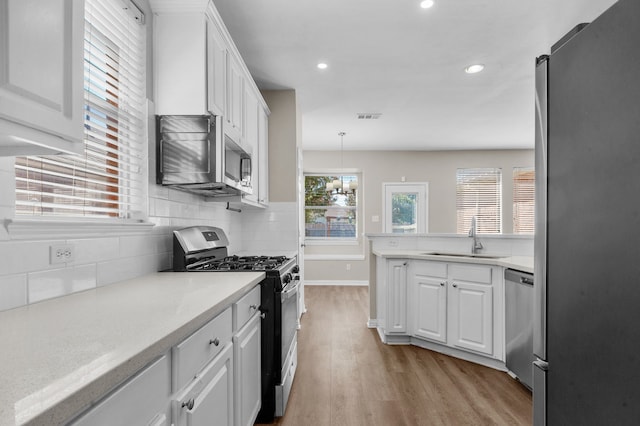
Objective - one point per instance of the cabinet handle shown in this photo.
(263, 315)
(443, 283)
(454, 285)
(189, 404)
(215, 342)
(404, 264)
(253, 307)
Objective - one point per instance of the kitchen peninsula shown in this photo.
(432, 291)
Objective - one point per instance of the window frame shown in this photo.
(467, 176)
(328, 240)
(526, 197)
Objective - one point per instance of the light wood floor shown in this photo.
(346, 376)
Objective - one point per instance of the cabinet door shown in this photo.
(247, 361)
(180, 63)
(216, 70)
(263, 157)
(471, 316)
(250, 132)
(396, 296)
(41, 76)
(235, 95)
(430, 316)
(209, 399)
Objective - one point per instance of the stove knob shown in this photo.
(295, 269)
(286, 278)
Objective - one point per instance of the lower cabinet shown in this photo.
(212, 377)
(453, 304)
(393, 297)
(208, 399)
(248, 398)
(142, 400)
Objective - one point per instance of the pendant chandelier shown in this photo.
(339, 186)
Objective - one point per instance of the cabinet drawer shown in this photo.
(473, 273)
(431, 269)
(193, 353)
(141, 400)
(245, 308)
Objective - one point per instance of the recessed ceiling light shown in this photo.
(322, 65)
(426, 4)
(475, 68)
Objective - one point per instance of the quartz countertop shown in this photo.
(521, 263)
(60, 355)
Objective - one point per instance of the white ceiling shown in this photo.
(394, 58)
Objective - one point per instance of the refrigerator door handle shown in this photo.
(542, 365)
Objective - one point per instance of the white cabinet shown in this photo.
(453, 304)
(429, 298)
(203, 375)
(198, 70)
(263, 156)
(247, 361)
(216, 69)
(143, 400)
(235, 100)
(208, 399)
(180, 67)
(190, 355)
(471, 308)
(41, 76)
(247, 358)
(396, 297)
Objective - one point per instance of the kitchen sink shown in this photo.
(479, 256)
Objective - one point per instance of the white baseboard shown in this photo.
(363, 283)
(372, 323)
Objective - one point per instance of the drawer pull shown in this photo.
(253, 307)
(189, 404)
(215, 342)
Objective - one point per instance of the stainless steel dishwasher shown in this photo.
(519, 325)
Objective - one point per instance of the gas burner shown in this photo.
(239, 263)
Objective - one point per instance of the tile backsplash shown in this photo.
(27, 275)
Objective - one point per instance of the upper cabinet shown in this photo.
(198, 70)
(41, 76)
(216, 69)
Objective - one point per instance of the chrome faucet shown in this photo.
(477, 245)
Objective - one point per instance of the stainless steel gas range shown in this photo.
(204, 249)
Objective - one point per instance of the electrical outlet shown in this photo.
(61, 253)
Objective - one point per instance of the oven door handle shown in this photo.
(290, 291)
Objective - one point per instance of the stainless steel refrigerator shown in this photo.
(587, 242)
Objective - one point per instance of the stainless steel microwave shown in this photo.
(194, 155)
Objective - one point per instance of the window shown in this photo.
(329, 214)
(405, 208)
(523, 200)
(479, 193)
(107, 180)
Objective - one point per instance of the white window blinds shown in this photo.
(479, 193)
(523, 200)
(106, 181)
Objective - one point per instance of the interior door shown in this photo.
(405, 207)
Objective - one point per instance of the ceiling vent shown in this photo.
(369, 115)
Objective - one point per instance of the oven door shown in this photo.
(289, 354)
(289, 303)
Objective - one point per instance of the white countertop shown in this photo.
(521, 263)
(60, 355)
